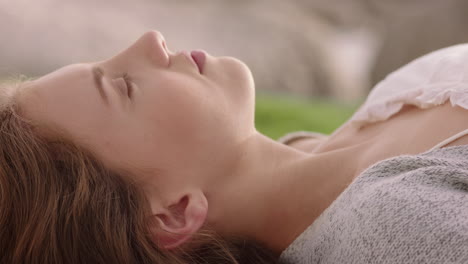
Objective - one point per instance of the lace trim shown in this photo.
(425, 82)
(424, 97)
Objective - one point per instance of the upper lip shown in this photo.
(189, 56)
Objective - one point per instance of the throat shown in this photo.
(303, 195)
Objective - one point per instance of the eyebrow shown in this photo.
(98, 74)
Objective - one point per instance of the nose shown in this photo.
(150, 48)
(155, 45)
(156, 37)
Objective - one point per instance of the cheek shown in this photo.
(121, 143)
(177, 117)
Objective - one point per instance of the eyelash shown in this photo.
(128, 82)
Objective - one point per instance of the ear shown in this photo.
(180, 220)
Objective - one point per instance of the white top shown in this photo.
(425, 82)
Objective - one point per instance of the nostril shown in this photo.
(164, 46)
(156, 44)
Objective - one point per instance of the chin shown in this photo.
(240, 70)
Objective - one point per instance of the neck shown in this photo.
(276, 191)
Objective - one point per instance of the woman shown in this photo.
(153, 157)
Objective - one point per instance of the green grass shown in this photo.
(276, 115)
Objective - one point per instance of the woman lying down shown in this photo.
(152, 156)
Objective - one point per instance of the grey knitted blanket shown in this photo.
(405, 209)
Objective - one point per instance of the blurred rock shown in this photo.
(414, 28)
(406, 29)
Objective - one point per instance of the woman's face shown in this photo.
(178, 120)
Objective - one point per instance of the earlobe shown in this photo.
(180, 220)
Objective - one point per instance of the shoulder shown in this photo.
(410, 208)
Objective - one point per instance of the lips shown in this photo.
(199, 57)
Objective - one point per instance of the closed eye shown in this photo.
(129, 84)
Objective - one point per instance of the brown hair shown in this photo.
(60, 204)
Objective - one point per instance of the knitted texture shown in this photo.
(405, 209)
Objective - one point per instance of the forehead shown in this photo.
(68, 74)
(62, 81)
(61, 96)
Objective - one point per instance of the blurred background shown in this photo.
(313, 61)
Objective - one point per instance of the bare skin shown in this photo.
(410, 131)
(305, 144)
(189, 140)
